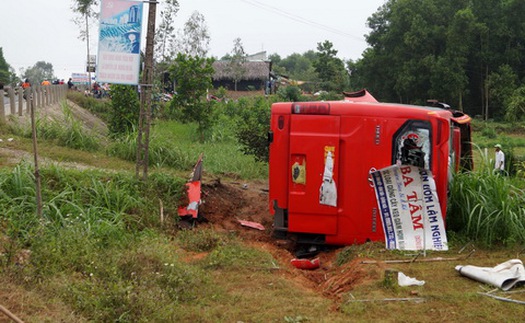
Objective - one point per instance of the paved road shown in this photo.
(7, 105)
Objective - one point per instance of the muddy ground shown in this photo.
(227, 202)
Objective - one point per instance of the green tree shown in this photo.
(298, 67)
(38, 72)
(252, 127)
(5, 73)
(331, 70)
(515, 110)
(502, 85)
(165, 35)
(85, 8)
(192, 77)
(237, 60)
(447, 50)
(195, 37)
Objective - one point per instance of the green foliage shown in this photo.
(236, 62)
(118, 283)
(5, 74)
(252, 128)
(102, 208)
(98, 107)
(236, 255)
(489, 132)
(520, 168)
(290, 93)
(331, 70)
(39, 72)
(330, 96)
(162, 151)
(165, 32)
(69, 132)
(516, 105)
(199, 240)
(502, 84)
(125, 109)
(192, 76)
(451, 51)
(486, 207)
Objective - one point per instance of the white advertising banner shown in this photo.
(119, 42)
(409, 208)
(80, 78)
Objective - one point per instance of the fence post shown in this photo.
(12, 105)
(56, 93)
(47, 94)
(20, 101)
(2, 106)
(37, 92)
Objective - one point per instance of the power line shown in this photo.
(299, 19)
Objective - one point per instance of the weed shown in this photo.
(487, 208)
(236, 255)
(199, 240)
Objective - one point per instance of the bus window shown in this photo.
(412, 144)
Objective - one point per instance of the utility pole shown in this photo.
(88, 64)
(146, 88)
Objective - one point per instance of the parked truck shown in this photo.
(323, 148)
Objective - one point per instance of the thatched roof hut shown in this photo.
(256, 70)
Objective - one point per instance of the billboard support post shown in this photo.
(146, 88)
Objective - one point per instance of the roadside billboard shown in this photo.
(119, 42)
(80, 78)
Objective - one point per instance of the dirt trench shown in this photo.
(227, 202)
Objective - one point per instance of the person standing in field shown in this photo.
(499, 164)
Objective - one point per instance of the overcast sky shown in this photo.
(38, 30)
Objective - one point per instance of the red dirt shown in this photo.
(227, 202)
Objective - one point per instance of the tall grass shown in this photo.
(68, 132)
(96, 246)
(87, 252)
(162, 151)
(222, 153)
(487, 207)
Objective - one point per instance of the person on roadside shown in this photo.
(25, 87)
(499, 164)
(70, 84)
(26, 84)
(45, 82)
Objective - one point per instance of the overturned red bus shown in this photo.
(356, 137)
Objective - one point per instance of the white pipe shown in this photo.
(505, 275)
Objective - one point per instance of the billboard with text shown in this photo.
(119, 42)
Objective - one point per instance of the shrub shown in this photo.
(252, 128)
(290, 93)
(125, 109)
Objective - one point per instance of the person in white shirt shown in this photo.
(499, 164)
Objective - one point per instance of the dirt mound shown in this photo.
(225, 203)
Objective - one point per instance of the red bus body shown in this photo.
(362, 137)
